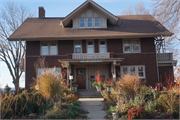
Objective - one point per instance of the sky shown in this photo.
(61, 8)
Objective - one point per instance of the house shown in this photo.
(91, 39)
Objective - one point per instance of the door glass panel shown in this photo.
(80, 72)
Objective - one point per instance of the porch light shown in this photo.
(70, 77)
(114, 75)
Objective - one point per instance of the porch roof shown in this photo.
(65, 62)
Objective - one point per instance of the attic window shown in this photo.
(96, 22)
(82, 23)
(89, 23)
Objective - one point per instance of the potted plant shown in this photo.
(108, 84)
(115, 114)
(97, 83)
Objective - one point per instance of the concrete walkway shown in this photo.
(94, 106)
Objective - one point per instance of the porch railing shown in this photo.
(165, 56)
(90, 55)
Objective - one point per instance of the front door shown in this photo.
(81, 78)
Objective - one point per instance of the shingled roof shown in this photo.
(130, 26)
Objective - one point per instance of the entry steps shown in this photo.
(83, 93)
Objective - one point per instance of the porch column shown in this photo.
(114, 63)
(68, 71)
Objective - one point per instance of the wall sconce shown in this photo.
(70, 77)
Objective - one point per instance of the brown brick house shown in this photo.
(92, 39)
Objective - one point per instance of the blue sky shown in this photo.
(61, 8)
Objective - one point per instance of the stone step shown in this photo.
(89, 94)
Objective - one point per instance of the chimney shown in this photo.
(41, 13)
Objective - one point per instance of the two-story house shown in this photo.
(91, 39)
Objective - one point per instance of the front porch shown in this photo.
(84, 70)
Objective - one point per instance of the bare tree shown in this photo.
(138, 9)
(12, 16)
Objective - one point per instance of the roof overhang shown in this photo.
(112, 18)
(91, 37)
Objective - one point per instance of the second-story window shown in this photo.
(77, 47)
(90, 47)
(82, 23)
(102, 47)
(49, 48)
(131, 46)
(96, 22)
(89, 23)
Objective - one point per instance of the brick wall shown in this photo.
(166, 71)
(147, 57)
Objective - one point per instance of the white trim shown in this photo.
(87, 46)
(105, 45)
(136, 70)
(48, 42)
(80, 43)
(131, 46)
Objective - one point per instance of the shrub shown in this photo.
(136, 113)
(138, 101)
(50, 84)
(129, 84)
(108, 112)
(125, 108)
(150, 106)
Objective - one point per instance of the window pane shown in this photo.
(97, 25)
(135, 48)
(135, 45)
(125, 70)
(141, 74)
(140, 68)
(77, 44)
(102, 42)
(90, 50)
(90, 44)
(53, 49)
(82, 20)
(89, 20)
(102, 49)
(132, 70)
(44, 49)
(82, 25)
(127, 42)
(89, 24)
(127, 48)
(96, 20)
(77, 50)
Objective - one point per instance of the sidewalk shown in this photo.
(94, 106)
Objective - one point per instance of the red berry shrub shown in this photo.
(136, 113)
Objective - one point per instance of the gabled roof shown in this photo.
(129, 26)
(112, 19)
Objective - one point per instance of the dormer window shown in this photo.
(89, 23)
(96, 22)
(82, 23)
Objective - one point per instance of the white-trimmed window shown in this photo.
(82, 22)
(96, 22)
(102, 46)
(40, 71)
(49, 48)
(77, 47)
(90, 47)
(134, 70)
(89, 23)
(131, 46)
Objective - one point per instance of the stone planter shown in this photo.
(98, 88)
(115, 115)
(108, 89)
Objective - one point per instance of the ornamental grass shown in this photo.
(49, 84)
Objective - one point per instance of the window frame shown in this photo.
(136, 70)
(81, 22)
(105, 45)
(131, 46)
(48, 42)
(75, 44)
(87, 46)
(89, 22)
(95, 23)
